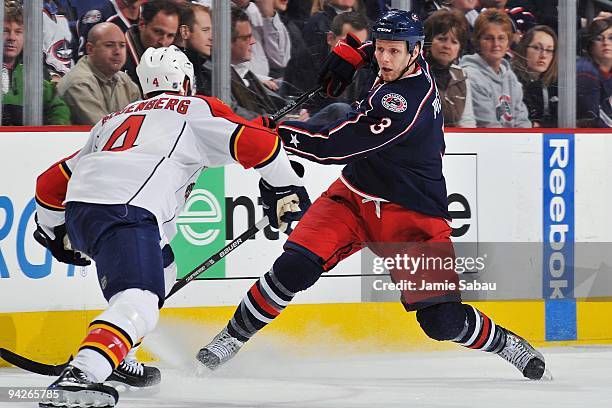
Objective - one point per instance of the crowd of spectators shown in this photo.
(494, 61)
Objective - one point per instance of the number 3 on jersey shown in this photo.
(378, 128)
(125, 135)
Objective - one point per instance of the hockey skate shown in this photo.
(219, 350)
(134, 374)
(74, 389)
(520, 354)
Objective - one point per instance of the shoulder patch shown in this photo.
(394, 102)
(92, 17)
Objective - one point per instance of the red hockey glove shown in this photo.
(339, 68)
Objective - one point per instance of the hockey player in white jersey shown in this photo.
(117, 199)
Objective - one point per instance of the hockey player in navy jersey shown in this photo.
(392, 190)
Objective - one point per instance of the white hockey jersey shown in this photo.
(149, 153)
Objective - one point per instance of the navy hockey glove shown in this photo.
(339, 68)
(60, 246)
(283, 205)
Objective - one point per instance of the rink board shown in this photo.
(499, 183)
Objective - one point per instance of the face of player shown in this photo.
(200, 39)
(343, 4)
(242, 44)
(332, 39)
(13, 41)
(393, 58)
(540, 52)
(601, 50)
(280, 5)
(160, 32)
(494, 44)
(108, 53)
(445, 48)
(464, 5)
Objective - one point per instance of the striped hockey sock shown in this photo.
(262, 303)
(104, 347)
(108, 340)
(481, 333)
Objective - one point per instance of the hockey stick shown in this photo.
(31, 365)
(294, 104)
(261, 224)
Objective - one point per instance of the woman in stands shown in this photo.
(496, 91)
(446, 32)
(535, 65)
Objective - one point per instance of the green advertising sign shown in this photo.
(201, 225)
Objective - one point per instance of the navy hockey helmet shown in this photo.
(399, 25)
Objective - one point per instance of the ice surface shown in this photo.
(261, 377)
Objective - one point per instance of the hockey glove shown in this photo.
(60, 246)
(339, 68)
(283, 205)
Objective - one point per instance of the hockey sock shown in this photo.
(262, 303)
(480, 332)
(104, 347)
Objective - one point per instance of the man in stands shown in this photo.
(95, 86)
(156, 28)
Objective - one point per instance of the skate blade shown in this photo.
(84, 399)
(547, 376)
(123, 388)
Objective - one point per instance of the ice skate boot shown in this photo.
(520, 354)
(219, 350)
(133, 373)
(74, 389)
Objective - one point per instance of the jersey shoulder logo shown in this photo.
(394, 102)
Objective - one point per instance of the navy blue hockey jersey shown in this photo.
(392, 144)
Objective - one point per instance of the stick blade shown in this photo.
(32, 366)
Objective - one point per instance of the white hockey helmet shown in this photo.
(164, 69)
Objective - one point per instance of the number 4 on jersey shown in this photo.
(125, 135)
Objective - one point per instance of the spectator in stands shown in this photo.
(496, 91)
(447, 31)
(247, 90)
(95, 87)
(55, 111)
(594, 76)
(294, 18)
(123, 13)
(156, 28)
(272, 48)
(300, 75)
(522, 19)
(374, 8)
(323, 12)
(535, 65)
(57, 41)
(465, 6)
(195, 39)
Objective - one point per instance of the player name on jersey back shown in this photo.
(174, 104)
